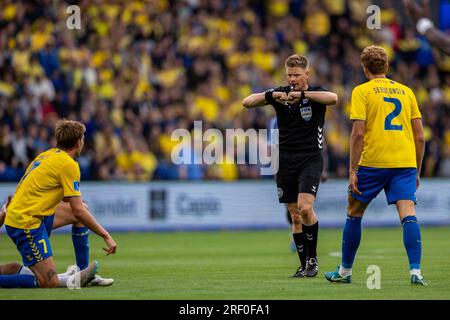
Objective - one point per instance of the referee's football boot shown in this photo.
(312, 267)
(300, 273)
(335, 277)
(418, 280)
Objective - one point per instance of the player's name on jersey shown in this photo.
(389, 90)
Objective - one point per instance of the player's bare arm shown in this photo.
(85, 217)
(324, 97)
(425, 26)
(356, 146)
(419, 141)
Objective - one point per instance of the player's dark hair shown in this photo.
(375, 59)
(67, 133)
(296, 60)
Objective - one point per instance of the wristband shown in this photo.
(423, 25)
(268, 95)
(302, 96)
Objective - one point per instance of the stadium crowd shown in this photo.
(137, 70)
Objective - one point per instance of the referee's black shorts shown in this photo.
(298, 173)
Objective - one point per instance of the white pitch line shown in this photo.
(335, 254)
(339, 254)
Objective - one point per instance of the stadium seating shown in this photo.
(136, 71)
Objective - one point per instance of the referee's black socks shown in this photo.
(300, 244)
(311, 234)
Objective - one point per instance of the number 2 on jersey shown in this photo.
(391, 116)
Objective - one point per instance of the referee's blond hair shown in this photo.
(296, 60)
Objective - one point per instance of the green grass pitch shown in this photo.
(244, 265)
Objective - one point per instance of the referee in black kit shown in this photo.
(300, 110)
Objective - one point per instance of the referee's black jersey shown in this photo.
(300, 125)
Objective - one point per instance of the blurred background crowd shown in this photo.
(137, 70)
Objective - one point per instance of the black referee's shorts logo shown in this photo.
(280, 192)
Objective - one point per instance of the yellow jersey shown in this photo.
(52, 176)
(387, 107)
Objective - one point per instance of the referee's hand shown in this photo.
(294, 97)
(353, 183)
(280, 97)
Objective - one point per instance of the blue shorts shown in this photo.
(33, 244)
(48, 222)
(398, 184)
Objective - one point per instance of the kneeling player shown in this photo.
(52, 177)
(80, 239)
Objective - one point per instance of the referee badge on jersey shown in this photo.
(306, 113)
(280, 192)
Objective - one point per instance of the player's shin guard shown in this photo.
(300, 243)
(18, 281)
(80, 240)
(351, 238)
(412, 241)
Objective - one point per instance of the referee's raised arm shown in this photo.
(327, 98)
(255, 100)
(264, 98)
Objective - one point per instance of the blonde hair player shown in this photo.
(386, 151)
